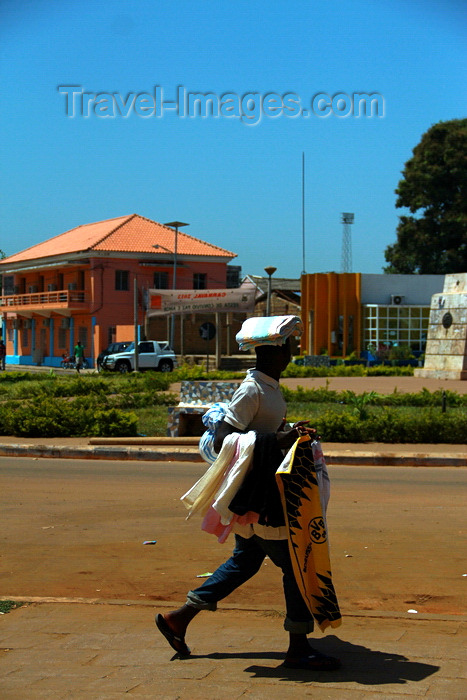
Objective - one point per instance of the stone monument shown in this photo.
(446, 347)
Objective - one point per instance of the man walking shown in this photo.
(79, 356)
(2, 355)
(257, 406)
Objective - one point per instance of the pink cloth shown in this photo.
(212, 520)
(212, 523)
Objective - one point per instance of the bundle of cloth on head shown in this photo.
(268, 330)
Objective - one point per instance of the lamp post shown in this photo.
(175, 225)
(269, 271)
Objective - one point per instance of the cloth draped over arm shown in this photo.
(218, 479)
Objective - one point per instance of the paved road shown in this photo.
(76, 528)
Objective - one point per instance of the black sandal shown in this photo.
(177, 643)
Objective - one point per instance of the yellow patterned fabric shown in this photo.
(307, 533)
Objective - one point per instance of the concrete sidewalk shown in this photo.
(103, 650)
(186, 450)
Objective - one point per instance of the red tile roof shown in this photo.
(125, 234)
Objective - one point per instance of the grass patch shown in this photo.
(109, 404)
(7, 605)
(152, 422)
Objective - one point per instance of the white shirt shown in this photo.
(258, 405)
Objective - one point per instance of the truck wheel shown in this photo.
(122, 366)
(165, 366)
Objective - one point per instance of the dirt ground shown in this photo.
(382, 385)
(75, 528)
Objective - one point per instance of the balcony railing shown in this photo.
(63, 298)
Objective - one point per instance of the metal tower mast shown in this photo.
(346, 263)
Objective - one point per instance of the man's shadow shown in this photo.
(359, 665)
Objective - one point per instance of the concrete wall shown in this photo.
(417, 289)
(446, 349)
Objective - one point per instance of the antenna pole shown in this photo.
(303, 213)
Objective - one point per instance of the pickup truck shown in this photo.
(152, 354)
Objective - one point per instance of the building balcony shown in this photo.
(62, 301)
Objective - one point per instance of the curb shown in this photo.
(188, 453)
(364, 459)
(226, 607)
(110, 453)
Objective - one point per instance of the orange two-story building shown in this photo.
(80, 285)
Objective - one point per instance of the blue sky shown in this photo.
(237, 184)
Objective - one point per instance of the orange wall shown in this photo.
(108, 306)
(116, 308)
(326, 297)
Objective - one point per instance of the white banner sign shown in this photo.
(191, 301)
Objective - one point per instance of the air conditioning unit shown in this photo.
(51, 287)
(46, 322)
(27, 323)
(397, 299)
(65, 323)
(72, 286)
(33, 289)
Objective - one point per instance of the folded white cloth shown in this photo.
(268, 330)
(202, 494)
(234, 478)
(220, 482)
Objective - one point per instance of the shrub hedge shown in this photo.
(390, 426)
(48, 405)
(81, 417)
(421, 398)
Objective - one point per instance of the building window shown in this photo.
(62, 338)
(111, 334)
(122, 280)
(199, 280)
(8, 282)
(161, 280)
(387, 326)
(233, 276)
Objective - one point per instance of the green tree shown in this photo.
(434, 188)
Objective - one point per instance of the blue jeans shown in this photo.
(244, 563)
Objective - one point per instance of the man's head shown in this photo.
(273, 359)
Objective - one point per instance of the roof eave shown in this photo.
(83, 256)
(49, 261)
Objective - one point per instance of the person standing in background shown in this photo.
(2, 355)
(79, 356)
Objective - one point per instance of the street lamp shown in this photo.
(176, 225)
(269, 271)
